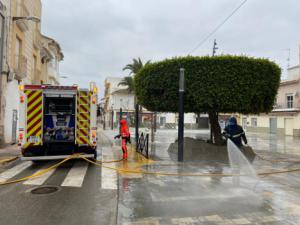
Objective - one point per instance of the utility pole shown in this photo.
(288, 58)
(181, 116)
(215, 48)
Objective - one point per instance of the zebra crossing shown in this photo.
(10, 173)
(77, 173)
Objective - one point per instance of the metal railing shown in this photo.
(143, 145)
(285, 105)
(20, 67)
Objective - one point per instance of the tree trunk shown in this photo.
(198, 120)
(215, 128)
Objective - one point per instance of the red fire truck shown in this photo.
(57, 121)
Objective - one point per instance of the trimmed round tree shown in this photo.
(219, 84)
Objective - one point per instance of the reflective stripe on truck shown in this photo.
(34, 118)
(83, 118)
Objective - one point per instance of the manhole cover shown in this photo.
(44, 190)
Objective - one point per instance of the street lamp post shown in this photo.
(120, 118)
(112, 117)
(136, 125)
(181, 116)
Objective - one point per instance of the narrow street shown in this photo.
(88, 194)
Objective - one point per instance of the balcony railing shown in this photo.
(20, 67)
(22, 11)
(286, 107)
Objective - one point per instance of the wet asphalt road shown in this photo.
(88, 204)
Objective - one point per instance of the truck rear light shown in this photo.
(22, 99)
(94, 100)
(21, 136)
(94, 134)
(21, 87)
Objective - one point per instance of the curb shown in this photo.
(7, 160)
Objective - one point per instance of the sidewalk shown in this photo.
(214, 200)
(9, 153)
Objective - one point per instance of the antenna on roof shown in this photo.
(288, 58)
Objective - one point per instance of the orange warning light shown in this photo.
(21, 87)
(22, 99)
(94, 100)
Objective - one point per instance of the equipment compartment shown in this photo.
(59, 119)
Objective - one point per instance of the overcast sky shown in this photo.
(99, 37)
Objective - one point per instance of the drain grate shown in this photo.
(44, 190)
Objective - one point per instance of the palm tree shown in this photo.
(136, 66)
(127, 81)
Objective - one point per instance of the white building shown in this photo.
(285, 116)
(116, 97)
(51, 56)
(170, 120)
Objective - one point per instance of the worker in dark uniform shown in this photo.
(125, 135)
(235, 133)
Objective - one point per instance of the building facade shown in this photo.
(51, 56)
(21, 59)
(116, 97)
(285, 116)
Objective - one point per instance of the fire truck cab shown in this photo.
(57, 121)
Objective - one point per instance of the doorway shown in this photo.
(273, 125)
(14, 126)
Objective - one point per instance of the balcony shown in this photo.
(285, 107)
(22, 11)
(20, 67)
(37, 39)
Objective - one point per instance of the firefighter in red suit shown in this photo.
(125, 137)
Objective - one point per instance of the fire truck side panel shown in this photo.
(83, 118)
(34, 118)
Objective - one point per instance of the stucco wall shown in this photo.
(283, 126)
(10, 104)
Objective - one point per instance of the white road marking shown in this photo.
(40, 179)
(6, 175)
(76, 175)
(109, 178)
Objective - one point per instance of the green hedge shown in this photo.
(222, 84)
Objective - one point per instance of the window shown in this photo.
(253, 122)
(162, 120)
(289, 101)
